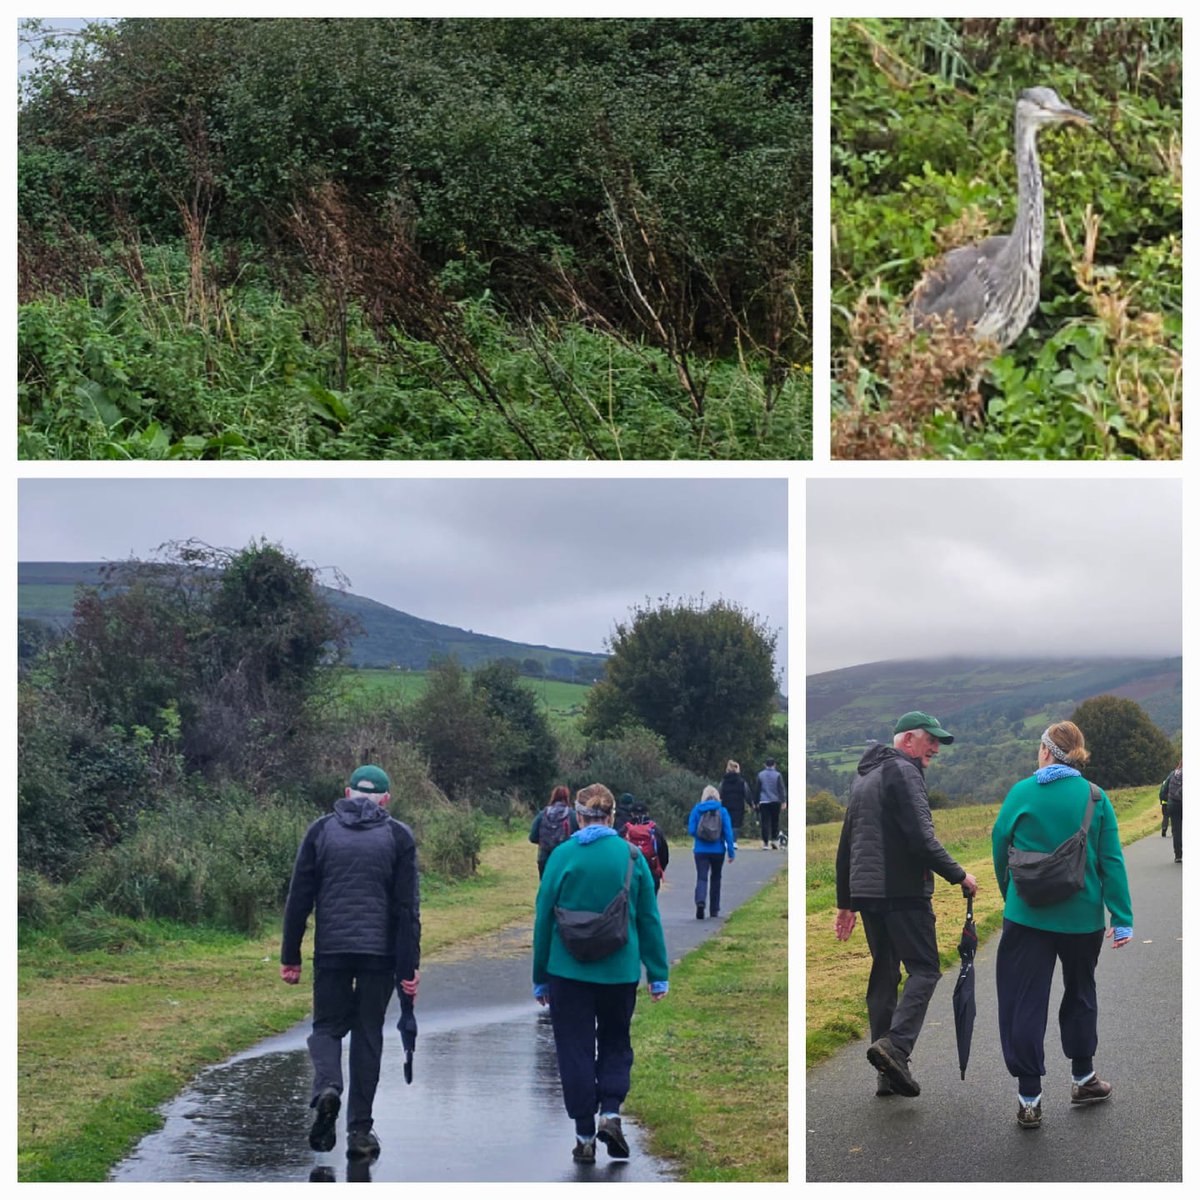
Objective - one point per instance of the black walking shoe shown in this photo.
(883, 1085)
(609, 1132)
(584, 1152)
(883, 1056)
(699, 912)
(1091, 1092)
(323, 1133)
(362, 1143)
(1029, 1116)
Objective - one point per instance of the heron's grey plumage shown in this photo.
(992, 287)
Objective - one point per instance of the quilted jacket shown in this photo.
(358, 866)
(888, 850)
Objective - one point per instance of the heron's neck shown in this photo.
(1027, 235)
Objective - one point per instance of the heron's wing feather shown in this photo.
(959, 285)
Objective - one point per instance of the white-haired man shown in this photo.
(359, 867)
(886, 860)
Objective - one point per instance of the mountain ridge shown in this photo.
(389, 637)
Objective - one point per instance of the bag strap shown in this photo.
(1093, 797)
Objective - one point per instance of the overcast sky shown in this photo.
(550, 561)
(919, 568)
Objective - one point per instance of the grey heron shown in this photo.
(992, 287)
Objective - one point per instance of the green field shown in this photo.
(562, 701)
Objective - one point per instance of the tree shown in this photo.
(1127, 748)
(821, 808)
(526, 750)
(702, 676)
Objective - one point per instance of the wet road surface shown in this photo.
(484, 1104)
(967, 1130)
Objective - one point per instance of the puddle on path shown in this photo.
(484, 1105)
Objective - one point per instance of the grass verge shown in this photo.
(106, 1037)
(836, 972)
(711, 1075)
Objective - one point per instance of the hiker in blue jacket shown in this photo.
(712, 830)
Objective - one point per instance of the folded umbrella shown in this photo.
(408, 1033)
(964, 989)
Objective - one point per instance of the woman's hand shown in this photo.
(1118, 942)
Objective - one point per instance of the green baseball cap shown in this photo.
(920, 720)
(370, 779)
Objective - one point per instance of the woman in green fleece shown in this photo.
(1039, 814)
(591, 1003)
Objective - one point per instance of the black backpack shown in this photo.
(555, 827)
(710, 828)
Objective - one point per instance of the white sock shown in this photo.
(1030, 1100)
(1080, 1079)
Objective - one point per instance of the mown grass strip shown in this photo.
(836, 972)
(104, 1039)
(710, 1076)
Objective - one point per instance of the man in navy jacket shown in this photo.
(358, 866)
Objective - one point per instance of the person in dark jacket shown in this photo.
(886, 859)
(553, 825)
(358, 866)
(642, 831)
(1038, 814)
(735, 794)
(1175, 809)
(592, 998)
(625, 803)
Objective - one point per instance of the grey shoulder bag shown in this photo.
(590, 936)
(1045, 879)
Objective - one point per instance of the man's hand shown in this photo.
(290, 974)
(409, 986)
(969, 884)
(844, 925)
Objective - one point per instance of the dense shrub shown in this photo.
(449, 841)
(510, 238)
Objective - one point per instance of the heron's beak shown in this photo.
(1072, 116)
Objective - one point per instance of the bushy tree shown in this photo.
(1127, 748)
(527, 754)
(821, 808)
(700, 675)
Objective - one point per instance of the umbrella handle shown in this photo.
(970, 908)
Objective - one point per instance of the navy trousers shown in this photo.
(708, 880)
(354, 1002)
(591, 1039)
(1024, 971)
(907, 936)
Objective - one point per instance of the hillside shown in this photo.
(993, 706)
(387, 637)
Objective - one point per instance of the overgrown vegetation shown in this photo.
(922, 162)
(296, 238)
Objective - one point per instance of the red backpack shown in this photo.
(642, 836)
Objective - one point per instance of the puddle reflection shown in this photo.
(484, 1105)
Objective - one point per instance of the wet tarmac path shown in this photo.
(484, 1104)
(966, 1129)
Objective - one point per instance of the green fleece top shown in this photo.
(1039, 816)
(586, 876)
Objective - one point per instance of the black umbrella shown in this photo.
(964, 989)
(408, 1033)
